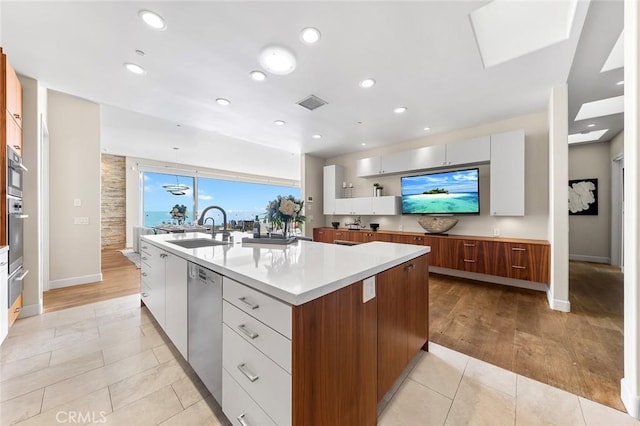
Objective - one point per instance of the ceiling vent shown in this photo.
(312, 102)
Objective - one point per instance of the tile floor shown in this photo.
(107, 363)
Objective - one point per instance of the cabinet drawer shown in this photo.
(270, 311)
(266, 382)
(238, 406)
(264, 338)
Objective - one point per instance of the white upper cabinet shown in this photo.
(333, 176)
(427, 157)
(476, 150)
(368, 166)
(507, 174)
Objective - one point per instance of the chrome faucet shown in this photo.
(225, 232)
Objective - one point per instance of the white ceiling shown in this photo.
(422, 54)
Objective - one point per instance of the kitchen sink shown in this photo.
(199, 242)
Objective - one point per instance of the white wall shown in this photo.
(532, 225)
(312, 192)
(616, 145)
(74, 250)
(32, 294)
(590, 236)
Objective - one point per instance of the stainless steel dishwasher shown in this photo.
(205, 327)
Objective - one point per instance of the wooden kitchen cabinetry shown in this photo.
(11, 106)
(514, 258)
(403, 303)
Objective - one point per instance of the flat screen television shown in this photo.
(452, 192)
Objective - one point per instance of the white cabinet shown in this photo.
(333, 176)
(476, 150)
(164, 292)
(4, 296)
(387, 205)
(176, 314)
(427, 157)
(381, 206)
(152, 281)
(396, 162)
(256, 356)
(507, 174)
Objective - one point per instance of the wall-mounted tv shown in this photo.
(452, 192)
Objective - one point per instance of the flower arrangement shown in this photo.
(283, 210)
(179, 212)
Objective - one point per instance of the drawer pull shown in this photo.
(469, 245)
(469, 260)
(249, 304)
(247, 332)
(144, 258)
(518, 267)
(409, 267)
(144, 274)
(145, 294)
(242, 421)
(3, 263)
(247, 373)
(518, 249)
(145, 247)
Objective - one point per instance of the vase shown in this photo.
(285, 229)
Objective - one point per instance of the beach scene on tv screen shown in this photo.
(447, 192)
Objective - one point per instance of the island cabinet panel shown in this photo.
(403, 303)
(335, 360)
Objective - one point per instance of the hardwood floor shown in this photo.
(120, 277)
(580, 351)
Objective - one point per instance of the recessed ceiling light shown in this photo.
(223, 101)
(591, 125)
(620, 83)
(153, 20)
(316, 136)
(279, 123)
(363, 144)
(277, 60)
(258, 75)
(427, 128)
(135, 68)
(310, 35)
(400, 110)
(367, 82)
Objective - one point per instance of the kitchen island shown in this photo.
(311, 333)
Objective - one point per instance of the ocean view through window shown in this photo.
(242, 201)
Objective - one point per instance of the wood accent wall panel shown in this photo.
(334, 360)
(113, 201)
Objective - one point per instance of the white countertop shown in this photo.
(295, 273)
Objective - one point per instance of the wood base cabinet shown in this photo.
(514, 258)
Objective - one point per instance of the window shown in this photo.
(158, 202)
(242, 201)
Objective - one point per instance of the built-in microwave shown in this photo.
(14, 173)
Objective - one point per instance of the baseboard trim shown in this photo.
(592, 259)
(558, 304)
(68, 282)
(489, 278)
(30, 310)
(631, 402)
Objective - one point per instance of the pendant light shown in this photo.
(178, 188)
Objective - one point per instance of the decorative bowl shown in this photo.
(437, 225)
(335, 225)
